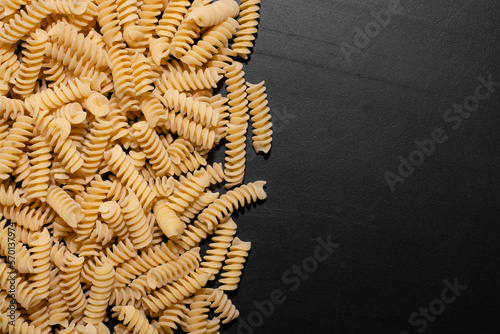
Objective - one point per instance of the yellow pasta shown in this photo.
(108, 117)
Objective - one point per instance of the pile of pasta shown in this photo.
(109, 112)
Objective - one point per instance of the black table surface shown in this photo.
(350, 100)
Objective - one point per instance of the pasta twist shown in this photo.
(58, 96)
(92, 198)
(34, 53)
(168, 220)
(120, 253)
(10, 7)
(87, 20)
(11, 150)
(108, 21)
(121, 165)
(11, 196)
(174, 270)
(136, 221)
(134, 320)
(193, 80)
(25, 217)
(215, 38)
(192, 235)
(65, 149)
(235, 154)
(232, 200)
(184, 37)
(20, 326)
(23, 259)
(24, 22)
(214, 13)
(215, 171)
(120, 64)
(234, 264)
(153, 110)
(192, 108)
(261, 118)
(245, 36)
(127, 14)
(237, 93)
(164, 186)
(69, 7)
(155, 151)
(38, 179)
(11, 108)
(224, 307)
(39, 318)
(111, 213)
(188, 191)
(170, 318)
(41, 244)
(172, 18)
(100, 291)
(69, 210)
(148, 20)
(94, 146)
(218, 248)
(71, 289)
(171, 294)
(179, 150)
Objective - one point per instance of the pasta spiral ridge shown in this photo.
(153, 110)
(172, 18)
(184, 37)
(168, 220)
(69, 7)
(121, 165)
(173, 270)
(10, 7)
(72, 112)
(190, 190)
(29, 70)
(65, 206)
(190, 130)
(196, 319)
(20, 326)
(171, 294)
(218, 248)
(25, 216)
(58, 310)
(179, 150)
(197, 206)
(174, 315)
(109, 22)
(141, 71)
(71, 289)
(121, 68)
(237, 93)
(192, 235)
(29, 18)
(193, 80)
(234, 264)
(136, 221)
(214, 13)
(155, 151)
(23, 170)
(120, 253)
(134, 320)
(92, 198)
(95, 145)
(245, 36)
(217, 37)
(232, 200)
(192, 108)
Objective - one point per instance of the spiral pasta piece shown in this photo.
(108, 20)
(134, 320)
(38, 179)
(111, 213)
(92, 198)
(20, 326)
(58, 310)
(193, 80)
(234, 264)
(41, 243)
(173, 270)
(24, 22)
(150, 142)
(65, 206)
(235, 154)
(218, 248)
(215, 38)
(168, 220)
(141, 72)
(71, 289)
(214, 13)
(190, 130)
(189, 191)
(94, 146)
(25, 216)
(172, 18)
(171, 318)
(248, 23)
(100, 291)
(34, 52)
(196, 319)
(237, 93)
(184, 37)
(120, 64)
(232, 200)
(120, 253)
(121, 165)
(171, 294)
(153, 110)
(9, 7)
(69, 7)
(136, 221)
(192, 108)
(72, 112)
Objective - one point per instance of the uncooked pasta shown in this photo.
(110, 111)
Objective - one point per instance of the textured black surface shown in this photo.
(339, 126)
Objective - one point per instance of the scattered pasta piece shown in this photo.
(109, 112)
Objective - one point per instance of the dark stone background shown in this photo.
(339, 126)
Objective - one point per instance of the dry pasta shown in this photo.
(109, 114)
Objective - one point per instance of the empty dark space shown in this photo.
(386, 117)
